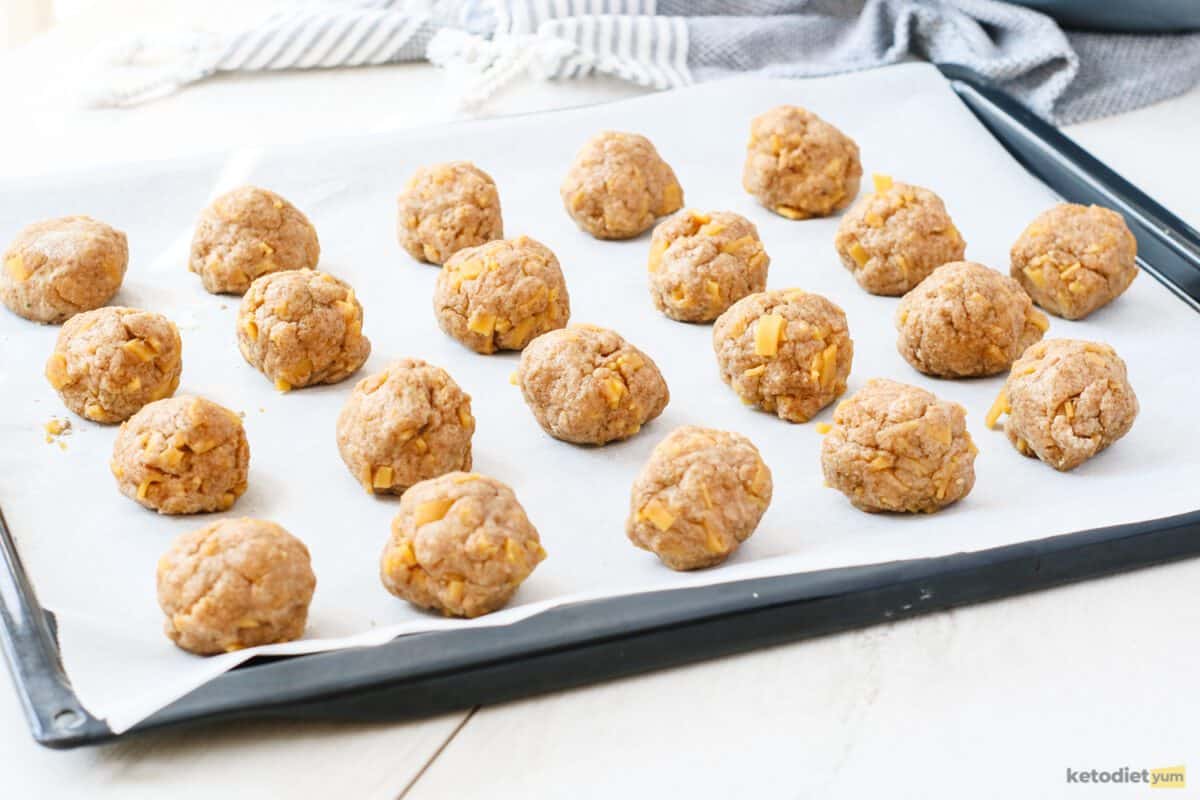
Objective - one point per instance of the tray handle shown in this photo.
(56, 717)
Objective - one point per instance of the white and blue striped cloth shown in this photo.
(669, 43)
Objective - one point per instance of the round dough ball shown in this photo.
(800, 166)
(894, 237)
(698, 498)
(59, 267)
(618, 185)
(109, 362)
(234, 584)
(445, 208)
(1067, 400)
(1074, 259)
(501, 295)
(701, 264)
(786, 351)
(249, 232)
(182, 455)
(302, 328)
(461, 544)
(404, 425)
(895, 447)
(587, 385)
(966, 320)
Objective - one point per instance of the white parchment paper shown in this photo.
(91, 552)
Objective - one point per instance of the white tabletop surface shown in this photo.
(997, 700)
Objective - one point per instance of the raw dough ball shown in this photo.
(587, 385)
(446, 207)
(699, 496)
(893, 238)
(182, 455)
(1067, 400)
(60, 267)
(233, 584)
(301, 328)
(249, 232)
(966, 320)
(895, 447)
(501, 295)
(700, 264)
(800, 166)
(1074, 259)
(461, 544)
(786, 351)
(109, 362)
(618, 185)
(404, 425)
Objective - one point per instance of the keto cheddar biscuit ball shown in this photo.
(800, 166)
(1066, 401)
(183, 455)
(966, 320)
(618, 185)
(445, 208)
(698, 498)
(59, 267)
(587, 385)
(234, 584)
(894, 237)
(786, 351)
(109, 362)
(249, 232)
(461, 544)
(501, 295)
(895, 447)
(406, 424)
(700, 264)
(302, 328)
(1075, 259)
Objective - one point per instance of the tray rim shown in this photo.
(633, 633)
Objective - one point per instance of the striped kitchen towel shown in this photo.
(1064, 76)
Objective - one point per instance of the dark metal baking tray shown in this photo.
(1122, 16)
(428, 673)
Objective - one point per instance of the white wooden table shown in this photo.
(990, 701)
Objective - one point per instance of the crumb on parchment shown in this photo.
(56, 428)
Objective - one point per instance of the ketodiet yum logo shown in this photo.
(1153, 778)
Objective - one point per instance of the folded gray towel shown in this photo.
(1063, 76)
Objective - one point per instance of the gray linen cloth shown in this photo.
(1062, 75)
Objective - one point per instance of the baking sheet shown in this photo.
(91, 552)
